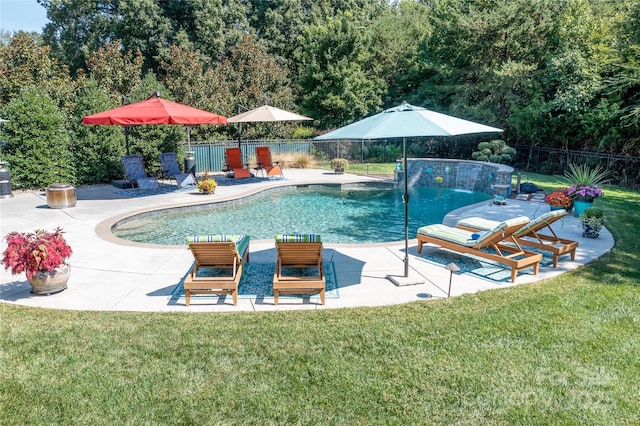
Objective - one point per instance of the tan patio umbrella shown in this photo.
(266, 113)
(263, 114)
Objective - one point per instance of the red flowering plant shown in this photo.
(560, 198)
(31, 252)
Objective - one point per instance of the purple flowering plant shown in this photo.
(585, 181)
(586, 192)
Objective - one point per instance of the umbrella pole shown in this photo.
(405, 200)
(189, 160)
(126, 139)
(239, 131)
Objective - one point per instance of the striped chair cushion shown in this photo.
(298, 238)
(542, 218)
(458, 236)
(486, 224)
(242, 241)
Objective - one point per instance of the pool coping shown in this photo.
(104, 228)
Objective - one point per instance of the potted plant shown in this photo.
(339, 165)
(207, 185)
(559, 199)
(42, 255)
(592, 221)
(585, 185)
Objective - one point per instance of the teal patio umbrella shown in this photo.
(407, 121)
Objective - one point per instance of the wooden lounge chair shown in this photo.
(530, 236)
(216, 251)
(299, 251)
(234, 163)
(487, 244)
(134, 171)
(263, 158)
(171, 170)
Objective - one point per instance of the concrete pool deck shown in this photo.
(109, 274)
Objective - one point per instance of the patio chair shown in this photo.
(296, 252)
(171, 170)
(487, 244)
(263, 158)
(134, 171)
(530, 236)
(234, 163)
(222, 252)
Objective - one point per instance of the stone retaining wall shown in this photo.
(477, 176)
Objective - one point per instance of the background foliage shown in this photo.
(553, 73)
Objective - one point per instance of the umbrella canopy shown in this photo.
(263, 114)
(266, 113)
(154, 110)
(405, 121)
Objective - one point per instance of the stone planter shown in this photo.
(45, 282)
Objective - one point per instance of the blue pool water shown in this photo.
(355, 214)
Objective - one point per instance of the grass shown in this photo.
(362, 168)
(561, 351)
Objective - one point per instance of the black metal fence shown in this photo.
(622, 170)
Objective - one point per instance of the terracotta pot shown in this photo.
(49, 282)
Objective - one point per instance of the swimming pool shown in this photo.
(341, 214)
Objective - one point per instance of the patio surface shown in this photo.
(109, 274)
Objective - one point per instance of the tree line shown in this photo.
(552, 73)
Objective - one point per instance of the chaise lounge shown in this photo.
(299, 251)
(530, 236)
(234, 163)
(221, 252)
(135, 173)
(263, 158)
(171, 170)
(489, 244)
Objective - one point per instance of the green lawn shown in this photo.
(561, 351)
(362, 168)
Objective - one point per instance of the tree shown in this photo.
(24, 63)
(97, 150)
(117, 71)
(190, 80)
(395, 54)
(37, 140)
(336, 85)
(78, 28)
(249, 77)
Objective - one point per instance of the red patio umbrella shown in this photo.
(155, 110)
